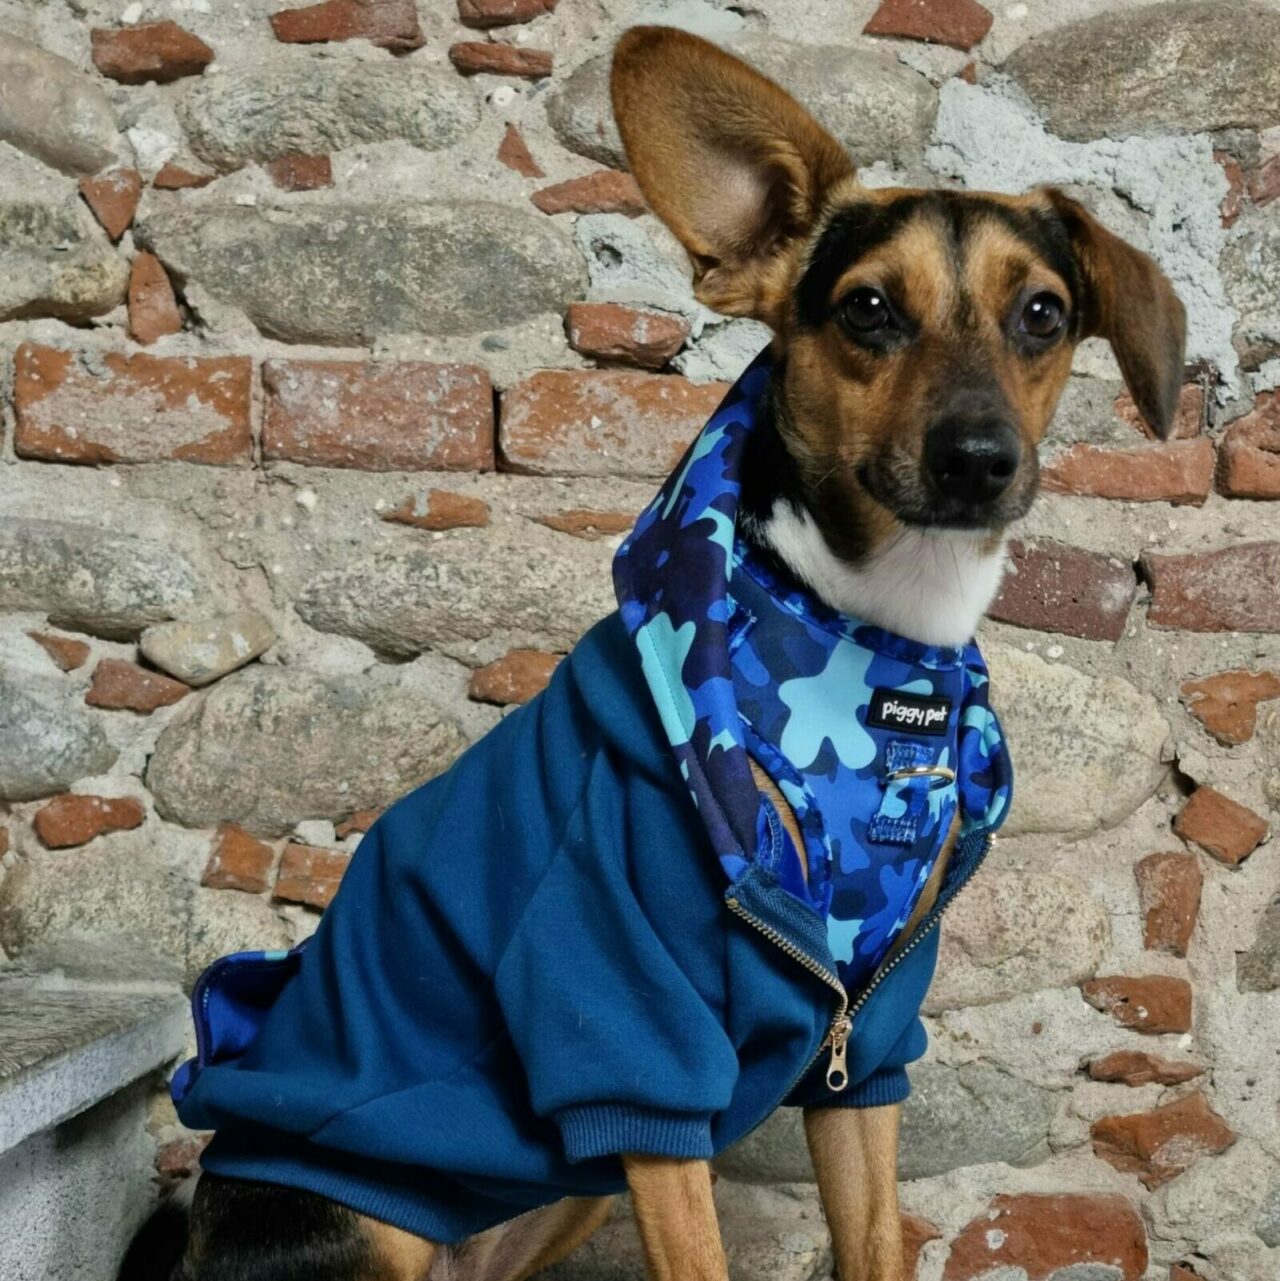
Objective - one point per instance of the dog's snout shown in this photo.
(971, 461)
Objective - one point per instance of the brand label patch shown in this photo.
(892, 709)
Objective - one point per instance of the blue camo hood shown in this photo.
(673, 578)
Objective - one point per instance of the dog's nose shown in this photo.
(971, 461)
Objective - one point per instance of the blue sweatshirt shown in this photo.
(587, 937)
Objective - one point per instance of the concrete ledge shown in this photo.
(65, 1048)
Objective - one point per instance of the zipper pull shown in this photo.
(837, 1073)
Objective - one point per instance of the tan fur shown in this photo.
(676, 1218)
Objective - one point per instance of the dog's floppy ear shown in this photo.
(728, 160)
(1129, 302)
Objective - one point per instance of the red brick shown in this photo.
(560, 423)
(1135, 1067)
(238, 862)
(1154, 1003)
(310, 875)
(582, 522)
(1232, 589)
(1182, 1272)
(1233, 201)
(390, 24)
(501, 13)
(113, 196)
(385, 416)
(916, 1234)
(361, 821)
(438, 509)
(1054, 587)
(961, 24)
(625, 335)
(1220, 826)
(90, 408)
(153, 309)
(159, 51)
(605, 191)
(301, 173)
(72, 819)
(1188, 418)
(173, 177)
(969, 73)
(4, 841)
(119, 686)
(1169, 888)
(1249, 458)
(514, 678)
(514, 152)
(1264, 183)
(179, 1159)
(1226, 704)
(1159, 1145)
(478, 57)
(1175, 471)
(68, 653)
(1044, 1235)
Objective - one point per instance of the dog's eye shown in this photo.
(866, 310)
(1043, 315)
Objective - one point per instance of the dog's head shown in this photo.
(926, 334)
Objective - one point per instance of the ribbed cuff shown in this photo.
(880, 1089)
(608, 1129)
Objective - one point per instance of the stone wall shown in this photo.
(336, 353)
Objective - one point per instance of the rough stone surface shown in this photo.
(1163, 66)
(1269, 1216)
(514, 678)
(404, 416)
(1058, 588)
(94, 408)
(1014, 932)
(309, 875)
(1218, 591)
(390, 24)
(1226, 704)
(307, 108)
(46, 741)
(1051, 1238)
(606, 331)
(1159, 1145)
(368, 742)
(1136, 1067)
(1249, 262)
(1175, 471)
(73, 819)
(559, 423)
(1089, 750)
(238, 861)
(958, 23)
(201, 651)
(107, 584)
(321, 274)
(53, 111)
(438, 509)
(1169, 887)
(153, 309)
(1223, 827)
(1258, 969)
(1156, 1003)
(119, 686)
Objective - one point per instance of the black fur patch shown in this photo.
(157, 1249)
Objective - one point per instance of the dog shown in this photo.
(921, 341)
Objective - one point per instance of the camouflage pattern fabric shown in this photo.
(739, 661)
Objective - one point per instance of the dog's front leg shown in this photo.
(855, 1156)
(676, 1218)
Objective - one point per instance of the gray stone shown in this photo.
(52, 111)
(199, 652)
(770, 1234)
(1089, 750)
(1258, 969)
(1268, 739)
(1250, 267)
(473, 597)
(879, 108)
(345, 273)
(47, 741)
(222, 923)
(86, 579)
(1269, 1215)
(1013, 932)
(775, 1152)
(55, 260)
(1168, 68)
(270, 747)
(971, 1115)
(317, 106)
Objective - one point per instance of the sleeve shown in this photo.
(887, 1084)
(618, 1047)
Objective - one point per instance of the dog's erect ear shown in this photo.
(1129, 302)
(728, 160)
